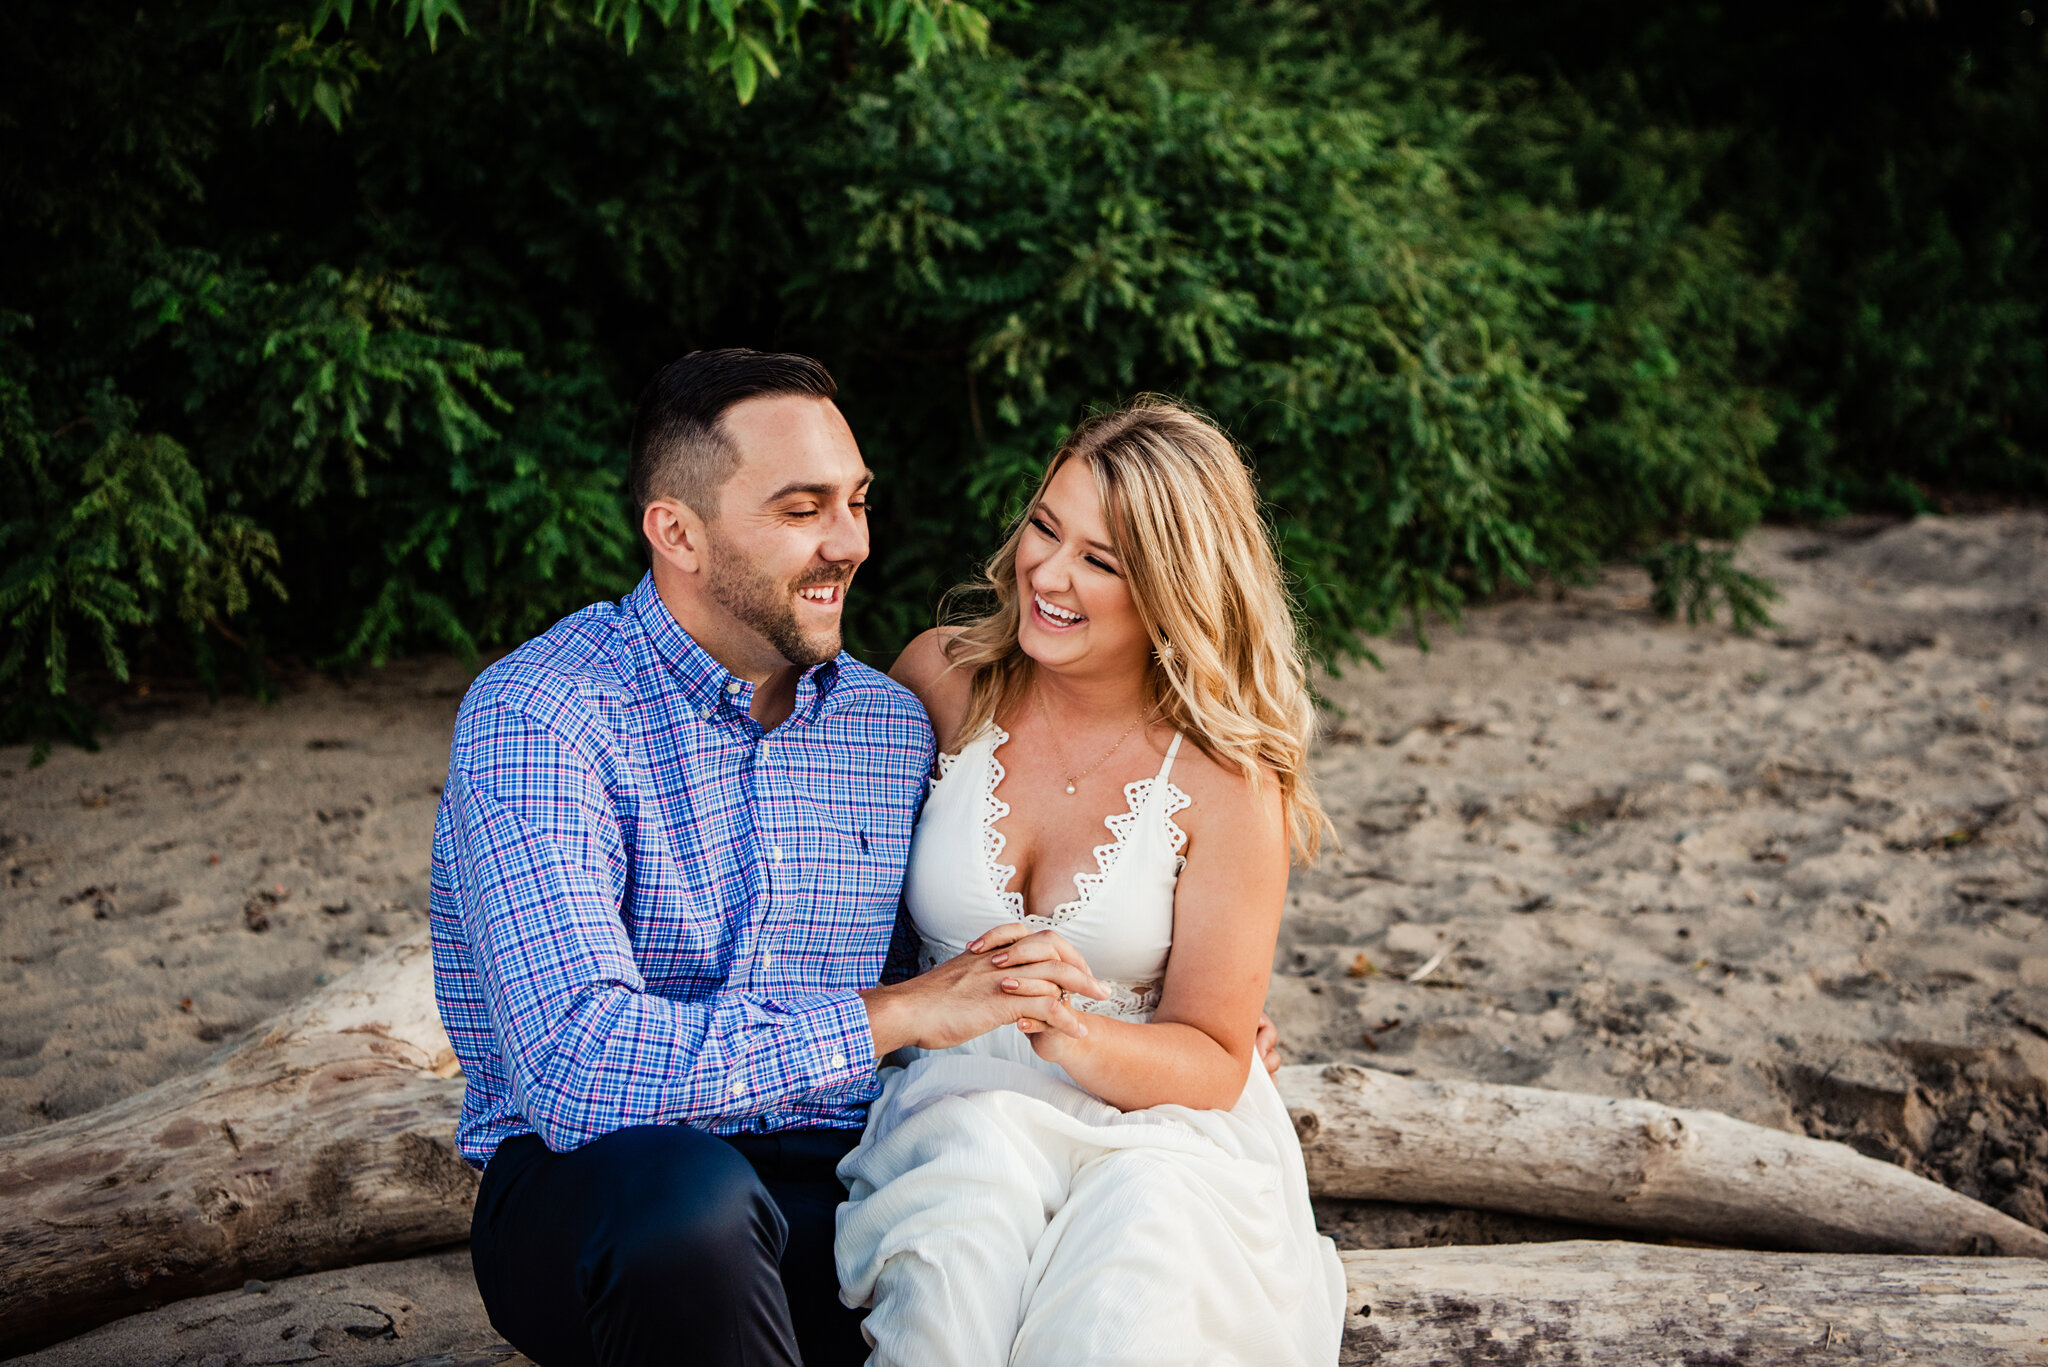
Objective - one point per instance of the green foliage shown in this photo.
(1375, 267)
(107, 531)
(1656, 317)
(311, 72)
(1698, 581)
(344, 389)
(1887, 160)
(1255, 234)
(341, 309)
(334, 371)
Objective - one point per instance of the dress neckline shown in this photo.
(1121, 826)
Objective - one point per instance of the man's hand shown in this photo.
(1007, 976)
(1267, 1041)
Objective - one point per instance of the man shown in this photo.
(666, 871)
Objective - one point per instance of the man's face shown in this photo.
(792, 524)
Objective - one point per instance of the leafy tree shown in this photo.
(106, 531)
(324, 321)
(1886, 159)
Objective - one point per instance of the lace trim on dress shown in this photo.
(994, 809)
(1133, 1000)
(1176, 838)
(1121, 824)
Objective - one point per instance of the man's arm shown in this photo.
(540, 867)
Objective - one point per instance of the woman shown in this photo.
(1126, 1188)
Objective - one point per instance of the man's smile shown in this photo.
(823, 595)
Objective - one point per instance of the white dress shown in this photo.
(1001, 1214)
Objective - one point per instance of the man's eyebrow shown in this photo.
(818, 490)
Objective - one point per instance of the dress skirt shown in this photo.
(1000, 1214)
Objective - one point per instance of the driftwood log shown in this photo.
(326, 1140)
(1635, 1305)
(1626, 1164)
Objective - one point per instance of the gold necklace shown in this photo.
(1052, 733)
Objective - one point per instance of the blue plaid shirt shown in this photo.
(647, 910)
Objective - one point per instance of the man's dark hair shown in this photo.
(680, 448)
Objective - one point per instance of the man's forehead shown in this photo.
(791, 441)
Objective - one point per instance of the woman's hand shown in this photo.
(1040, 964)
(1018, 944)
(1266, 1042)
(1010, 975)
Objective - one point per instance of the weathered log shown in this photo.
(1634, 1305)
(422, 1310)
(324, 1140)
(1625, 1164)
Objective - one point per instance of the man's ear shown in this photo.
(675, 533)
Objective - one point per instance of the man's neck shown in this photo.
(737, 648)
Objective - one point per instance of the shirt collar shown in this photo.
(709, 685)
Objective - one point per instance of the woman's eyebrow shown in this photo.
(1045, 512)
(1053, 517)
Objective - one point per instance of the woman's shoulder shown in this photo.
(1224, 807)
(943, 689)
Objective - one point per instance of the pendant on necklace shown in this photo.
(1070, 790)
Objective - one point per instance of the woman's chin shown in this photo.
(1047, 648)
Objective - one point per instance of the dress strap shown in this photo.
(1171, 751)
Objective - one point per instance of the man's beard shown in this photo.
(755, 599)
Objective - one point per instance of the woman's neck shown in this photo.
(1088, 700)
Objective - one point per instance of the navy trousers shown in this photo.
(663, 1244)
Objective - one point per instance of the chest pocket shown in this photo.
(854, 858)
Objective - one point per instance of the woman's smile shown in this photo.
(1053, 617)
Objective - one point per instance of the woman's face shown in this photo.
(1075, 610)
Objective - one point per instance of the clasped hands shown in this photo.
(1010, 975)
(1013, 974)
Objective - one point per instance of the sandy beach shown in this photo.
(1800, 877)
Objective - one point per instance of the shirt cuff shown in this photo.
(838, 1044)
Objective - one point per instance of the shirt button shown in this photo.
(839, 1060)
(767, 960)
(733, 687)
(739, 1089)
(775, 854)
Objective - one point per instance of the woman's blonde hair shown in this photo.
(1186, 524)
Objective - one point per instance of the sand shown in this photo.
(1800, 877)
(210, 864)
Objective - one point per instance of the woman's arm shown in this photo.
(1198, 1047)
(924, 670)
